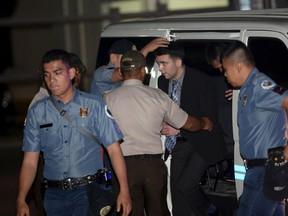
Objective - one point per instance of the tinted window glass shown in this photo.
(105, 43)
(271, 57)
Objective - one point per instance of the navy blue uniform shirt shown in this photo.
(67, 152)
(102, 80)
(261, 120)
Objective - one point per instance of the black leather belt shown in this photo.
(181, 139)
(255, 162)
(144, 156)
(70, 183)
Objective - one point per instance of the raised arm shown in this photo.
(154, 44)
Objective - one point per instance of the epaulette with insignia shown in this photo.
(279, 90)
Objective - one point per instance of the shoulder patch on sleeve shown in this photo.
(267, 84)
(279, 90)
(117, 128)
(108, 112)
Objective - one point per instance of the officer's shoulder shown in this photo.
(88, 95)
(40, 103)
(104, 68)
(91, 97)
(263, 81)
(259, 77)
(158, 91)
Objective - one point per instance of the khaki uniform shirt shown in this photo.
(140, 111)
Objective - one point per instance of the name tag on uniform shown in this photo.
(46, 125)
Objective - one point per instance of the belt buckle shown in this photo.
(66, 184)
(90, 179)
(245, 162)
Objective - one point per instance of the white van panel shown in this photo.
(207, 35)
(123, 32)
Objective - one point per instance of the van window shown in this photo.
(271, 57)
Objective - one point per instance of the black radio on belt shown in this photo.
(104, 176)
(276, 156)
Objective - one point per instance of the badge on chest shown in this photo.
(83, 112)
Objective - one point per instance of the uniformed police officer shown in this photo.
(262, 125)
(107, 77)
(77, 64)
(71, 158)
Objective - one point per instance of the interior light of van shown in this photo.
(234, 35)
(239, 172)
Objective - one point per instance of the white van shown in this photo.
(264, 31)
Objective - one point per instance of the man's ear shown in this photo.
(120, 73)
(72, 72)
(239, 66)
(143, 73)
(179, 62)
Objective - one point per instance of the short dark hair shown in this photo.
(121, 46)
(213, 52)
(76, 62)
(56, 54)
(245, 55)
(175, 50)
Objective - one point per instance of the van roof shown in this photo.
(251, 14)
(269, 19)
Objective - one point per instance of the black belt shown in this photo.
(178, 139)
(255, 162)
(181, 139)
(69, 183)
(144, 156)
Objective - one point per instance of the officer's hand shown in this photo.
(168, 130)
(229, 94)
(154, 44)
(208, 125)
(125, 202)
(22, 209)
